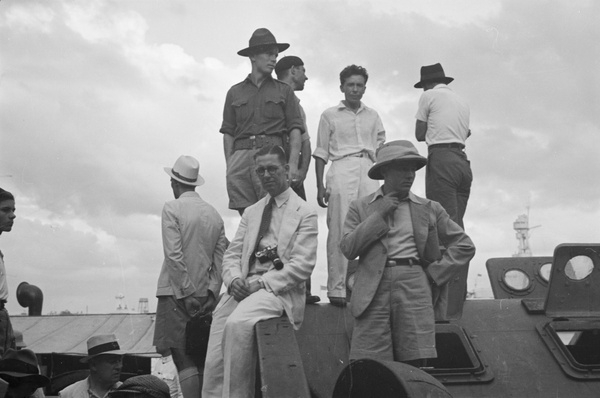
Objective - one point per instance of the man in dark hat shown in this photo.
(20, 370)
(143, 386)
(259, 111)
(348, 136)
(397, 235)
(443, 123)
(189, 283)
(290, 69)
(7, 219)
(105, 359)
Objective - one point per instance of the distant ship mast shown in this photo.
(522, 228)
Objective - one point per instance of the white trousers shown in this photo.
(347, 180)
(230, 368)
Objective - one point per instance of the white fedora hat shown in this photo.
(102, 344)
(185, 171)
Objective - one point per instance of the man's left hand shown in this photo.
(192, 305)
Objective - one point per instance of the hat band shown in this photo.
(14, 365)
(99, 349)
(176, 174)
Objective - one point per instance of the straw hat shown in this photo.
(399, 152)
(185, 171)
(102, 344)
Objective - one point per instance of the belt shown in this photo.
(394, 262)
(452, 145)
(257, 141)
(361, 154)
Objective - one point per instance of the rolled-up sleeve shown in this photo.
(323, 136)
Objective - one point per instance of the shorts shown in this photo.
(399, 323)
(243, 185)
(171, 320)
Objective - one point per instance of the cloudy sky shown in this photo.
(96, 97)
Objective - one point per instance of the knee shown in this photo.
(235, 325)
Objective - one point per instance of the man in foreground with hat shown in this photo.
(7, 219)
(348, 136)
(264, 269)
(443, 123)
(260, 111)
(290, 69)
(143, 386)
(20, 370)
(397, 236)
(194, 241)
(105, 360)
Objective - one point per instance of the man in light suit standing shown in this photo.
(264, 269)
(190, 278)
(397, 236)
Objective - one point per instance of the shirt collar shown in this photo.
(282, 198)
(190, 194)
(342, 106)
(248, 80)
(379, 193)
(441, 86)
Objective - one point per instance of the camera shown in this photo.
(270, 254)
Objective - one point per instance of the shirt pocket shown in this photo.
(274, 108)
(242, 110)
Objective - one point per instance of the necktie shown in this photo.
(265, 223)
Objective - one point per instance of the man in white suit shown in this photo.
(264, 269)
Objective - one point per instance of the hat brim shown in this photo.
(445, 80)
(199, 181)
(39, 380)
(246, 52)
(417, 161)
(114, 352)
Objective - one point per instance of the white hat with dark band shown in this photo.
(185, 171)
(102, 344)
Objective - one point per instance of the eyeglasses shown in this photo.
(270, 169)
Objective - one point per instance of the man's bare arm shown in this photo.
(322, 197)
(420, 130)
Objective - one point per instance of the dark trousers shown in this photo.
(448, 181)
(7, 337)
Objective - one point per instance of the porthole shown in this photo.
(517, 280)
(545, 271)
(579, 267)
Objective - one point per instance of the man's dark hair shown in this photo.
(353, 70)
(5, 195)
(272, 150)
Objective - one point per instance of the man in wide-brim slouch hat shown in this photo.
(259, 111)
